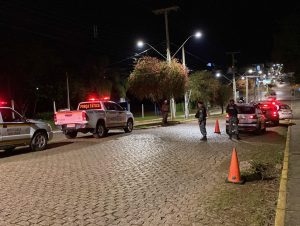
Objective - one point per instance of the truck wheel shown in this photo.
(129, 126)
(71, 135)
(39, 141)
(101, 131)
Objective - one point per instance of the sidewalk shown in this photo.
(292, 215)
(179, 118)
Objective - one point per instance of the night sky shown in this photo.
(244, 26)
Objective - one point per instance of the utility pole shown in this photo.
(233, 73)
(165, 11)
(187, 93)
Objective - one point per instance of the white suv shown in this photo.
(250, 118)
(15, 131)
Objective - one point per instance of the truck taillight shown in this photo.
(84, 116)
(55, 118)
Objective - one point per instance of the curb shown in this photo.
(281, 202)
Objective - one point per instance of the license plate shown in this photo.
(71, 125)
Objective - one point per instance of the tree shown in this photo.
(157, 80)
(204, 86)
(224, 93)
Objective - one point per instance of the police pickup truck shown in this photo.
(96, 117)
(15, 131)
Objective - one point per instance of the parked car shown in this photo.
(94, 116)
(270, 111)
(285, 111)
(250, 118)
(16, 131)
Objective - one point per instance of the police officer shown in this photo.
(201, 115)
(232, 112)
(165, 110)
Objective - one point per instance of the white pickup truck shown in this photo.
(96, 117)
(15, 131)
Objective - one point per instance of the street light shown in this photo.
(218, 75)
(250, 71)
(187, 94)
(197, 35)
(140, 44)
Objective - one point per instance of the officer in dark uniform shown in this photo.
(201, 115)
(232, 112)
(165, 110)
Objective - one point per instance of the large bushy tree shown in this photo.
(157, 80)
(204, 86)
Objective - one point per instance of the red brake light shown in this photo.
(84, 116)
(273, 103)
(106, 98)
(274, 113)
(3, 103)
(265, 105)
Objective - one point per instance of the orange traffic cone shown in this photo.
(217, 128)
(234, 170)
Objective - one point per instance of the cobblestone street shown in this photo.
(158, 176)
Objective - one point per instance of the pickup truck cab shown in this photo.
(95, 117)
(16, 131)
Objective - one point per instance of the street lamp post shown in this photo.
(250, 71)
(187, 93)
(198, 34)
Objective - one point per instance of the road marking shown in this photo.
(281, 203)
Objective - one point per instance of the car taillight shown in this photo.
(275, 113)
(227, 116)
(253, 117)
(55, 118)
(84, 116)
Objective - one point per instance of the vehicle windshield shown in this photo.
(246, 110)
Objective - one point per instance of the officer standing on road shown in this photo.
(232, 112)
(165, 111)
(201, 115)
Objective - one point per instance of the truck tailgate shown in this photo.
(70, 117)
